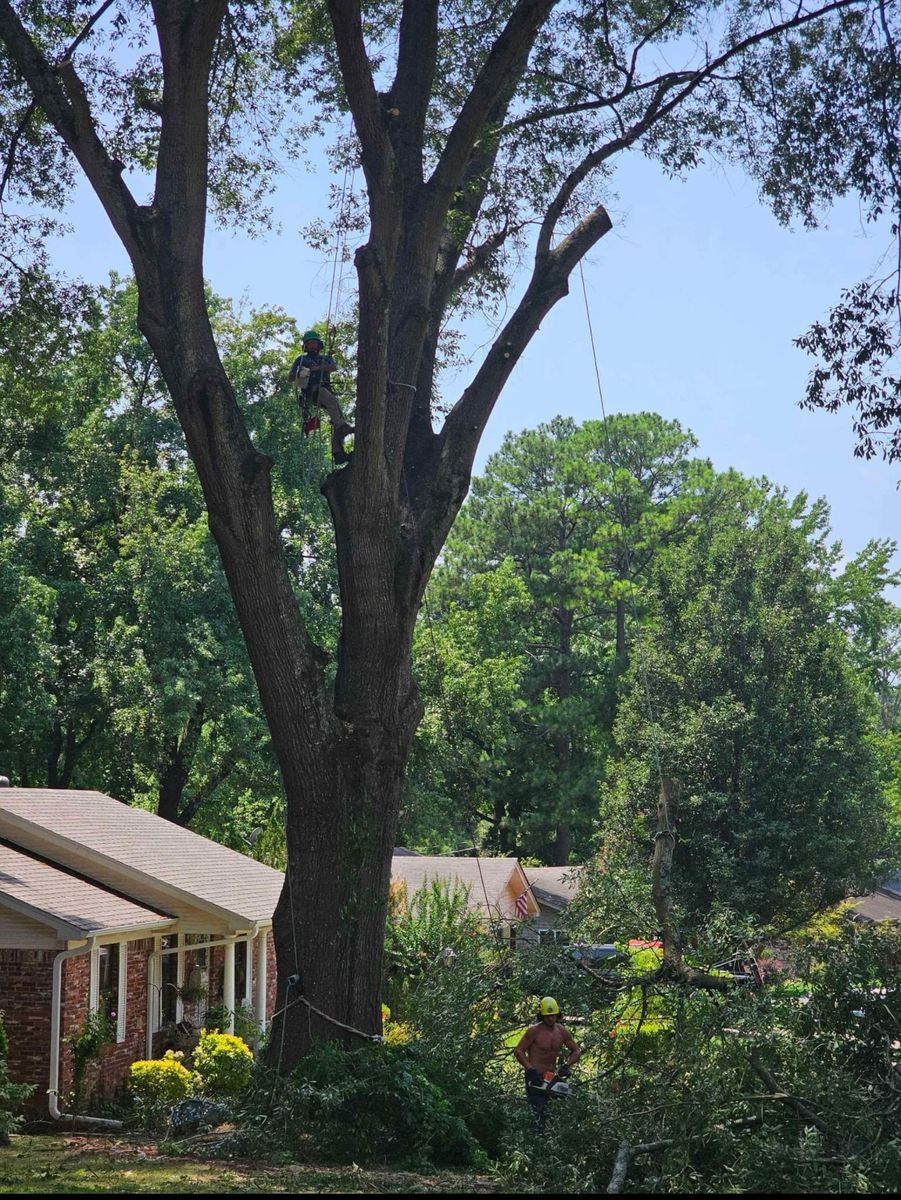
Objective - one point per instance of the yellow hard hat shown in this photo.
(549, 1007)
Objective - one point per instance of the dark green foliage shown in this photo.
(529, 628)
(12, 1095)
(123, 666)
(758, 715)
(365, 1104)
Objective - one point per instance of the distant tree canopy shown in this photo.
(527, 623)
(748, 695)
(756, 671)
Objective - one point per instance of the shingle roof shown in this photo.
(483, 876)
(65, 898)
(554, 886)
(882, 905)
(97, 826)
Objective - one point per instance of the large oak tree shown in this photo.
(487, 133)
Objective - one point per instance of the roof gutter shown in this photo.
(55, 1030)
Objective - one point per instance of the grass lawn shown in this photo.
(72, 1163)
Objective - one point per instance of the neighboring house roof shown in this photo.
(882, 905)
(496, 882)
(404, 852)
(554, 887)
(137, 852)
(73, 906)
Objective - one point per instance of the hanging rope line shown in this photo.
(442, 696)
(337, 254)
(624, 545)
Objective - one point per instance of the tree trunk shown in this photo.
(621, 629)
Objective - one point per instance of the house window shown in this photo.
(109, 983)
(553, 937)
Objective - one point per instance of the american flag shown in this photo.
(522, 904)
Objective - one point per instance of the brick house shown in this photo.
(108, 907)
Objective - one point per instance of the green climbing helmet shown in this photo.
(312, 336)
(549, 1007)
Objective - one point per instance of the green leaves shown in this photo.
(758, 715)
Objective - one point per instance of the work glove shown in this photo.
(533, 1077)
(565, 1071)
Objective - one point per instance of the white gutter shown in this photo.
(184, 949)
(55, 1023)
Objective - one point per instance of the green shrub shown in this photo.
(157, 1084)
(372, 1103)
(223, 1062)
(247, 1027)
(12, 1095)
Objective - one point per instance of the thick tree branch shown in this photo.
(187, 35)
(512, 45)
(417, 55)
(549, 283)
(375, 147)
(66, 107)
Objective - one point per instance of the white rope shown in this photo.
(369, 1037)
(642, 665)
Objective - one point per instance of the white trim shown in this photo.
(248, 974)
(122, 998)
(260, 969)
(228, 984)
(179, 977)
(94, 982)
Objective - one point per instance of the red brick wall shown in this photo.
(25, 991)
(107, 1074)
(26, 980)
(271, 976)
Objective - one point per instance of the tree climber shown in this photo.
(310, 373)
(538, 1050)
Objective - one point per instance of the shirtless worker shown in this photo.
(538, 1050)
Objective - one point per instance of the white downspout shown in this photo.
(55, 1030)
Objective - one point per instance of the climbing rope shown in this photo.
(442, 696)
(624, 546)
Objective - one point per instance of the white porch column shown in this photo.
(228, 985)
(259, 979)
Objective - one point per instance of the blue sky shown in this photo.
(695, 298)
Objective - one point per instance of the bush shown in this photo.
(223, 1062)
(247, 1027)
(377, 1102)
(12, 1095)
(157, 1084)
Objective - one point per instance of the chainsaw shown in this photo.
(554, 1082)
